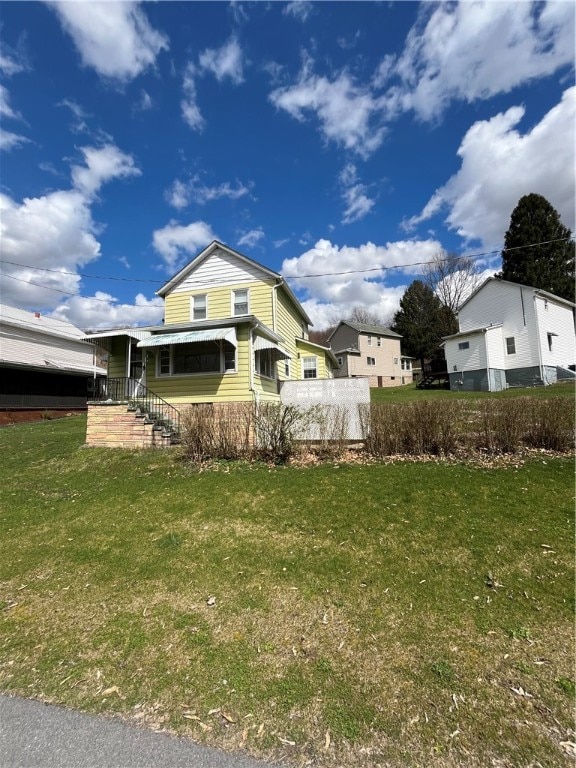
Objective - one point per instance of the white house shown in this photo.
(43, 362)
(511, 335)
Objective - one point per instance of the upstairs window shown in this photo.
(463, 345)
(511, 345)
(369, 341)
(199, 307)
(309, 368)
(371, 360)
(378, 341)
(240, 302)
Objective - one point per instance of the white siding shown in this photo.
(220, 268)
(21, 346)
(556, 318)
(495, 346)
(471, 359)
(513, 306)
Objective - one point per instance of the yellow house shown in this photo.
(233, 331)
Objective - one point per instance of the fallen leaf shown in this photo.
(287, 741)
(110, 691)
(227, 717)
(327, 741)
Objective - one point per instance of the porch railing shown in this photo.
(140, 399)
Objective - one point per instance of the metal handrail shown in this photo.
(139, 398)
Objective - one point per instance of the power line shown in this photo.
(292, 277)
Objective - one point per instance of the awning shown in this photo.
(190, 337)
(261, 343)
(133, 333)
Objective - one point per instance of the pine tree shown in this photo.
(549, 266)
(422, 321)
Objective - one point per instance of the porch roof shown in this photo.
(190, 337)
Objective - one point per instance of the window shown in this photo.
(264, 363)
(371, 360)
(199, 307)
(164, 361)
(378, 341)
(406, 365)
(199, 358)
(309, 368)
(240, 302)
(287, 369)
(511, 345)
(369, 341)
(550, 338)
(463, 345)
(340, 361)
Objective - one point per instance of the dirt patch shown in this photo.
(10, 418)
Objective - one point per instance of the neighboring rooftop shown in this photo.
(22, 318)
(374, 330)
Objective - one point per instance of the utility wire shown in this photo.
(448, 259)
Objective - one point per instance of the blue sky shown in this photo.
(316, 138)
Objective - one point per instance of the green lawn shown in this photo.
(409, 392)
(414, 614)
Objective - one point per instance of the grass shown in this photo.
(414, 614)
(408, 392)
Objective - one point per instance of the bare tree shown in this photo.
(364, 316)
(452, 278)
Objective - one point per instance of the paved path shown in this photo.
(36, 735)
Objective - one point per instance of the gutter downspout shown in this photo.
(487, 359)
(540, 365)
(274, 301)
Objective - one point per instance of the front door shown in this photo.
(136, 369)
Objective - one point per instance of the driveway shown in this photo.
(36, 735)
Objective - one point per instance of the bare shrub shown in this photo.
(333, 422)
(551, 424)
(217, 432)
(277, 428)
(504, 424)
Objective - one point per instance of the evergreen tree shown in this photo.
(422, 321)
(549, 266)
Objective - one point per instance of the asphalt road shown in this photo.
(36, 735)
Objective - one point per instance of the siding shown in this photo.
(559, 319)
(471, 359)
(323, 370)
(29, 347)
(384, 356)
(177, 305)
(289, 326)
(225, 387)
(513, 306)
(344, 337)
(117, 359)
(220, 269)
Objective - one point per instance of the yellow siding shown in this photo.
(228, 387)
(289, 326)
(177, 305)
(117, 357)
(323, 370)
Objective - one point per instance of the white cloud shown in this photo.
(499, 165)
(9, 140)
(114, 38)
(103, 311)
(331, 295)
(10, 65)
(176, 242)
(180, 194)
(6, 110)
(102, 165)
(145, 102)
(281, 242)
(346, 111)
(54, 232)
(475, 50)
(354, 194)
(224, 62)
(251, 238)
(298, 9)
(190, 110)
